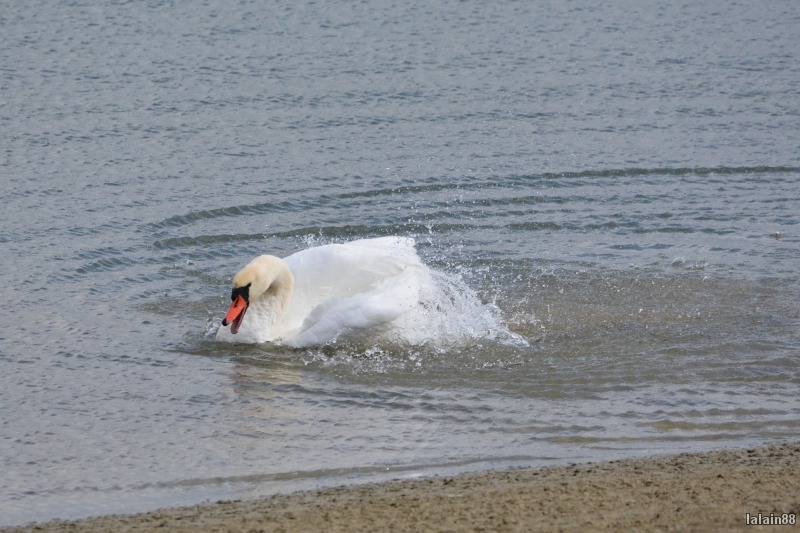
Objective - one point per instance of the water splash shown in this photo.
(451, 314)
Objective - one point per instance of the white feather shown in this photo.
(358, 289)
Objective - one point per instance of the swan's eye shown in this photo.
(244, 292)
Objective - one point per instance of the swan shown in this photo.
(361, 289)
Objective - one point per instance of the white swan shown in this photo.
(366, 288)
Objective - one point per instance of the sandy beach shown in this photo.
(687, 492)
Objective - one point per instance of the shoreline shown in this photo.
(708, 491)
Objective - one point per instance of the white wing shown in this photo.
(344, 289)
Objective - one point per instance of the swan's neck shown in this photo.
(269, 308)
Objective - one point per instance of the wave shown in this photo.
(468, 183)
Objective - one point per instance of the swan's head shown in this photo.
(250, 283)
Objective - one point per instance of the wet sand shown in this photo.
(687, 492)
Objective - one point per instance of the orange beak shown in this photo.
(235, 314)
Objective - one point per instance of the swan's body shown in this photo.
(361, 289)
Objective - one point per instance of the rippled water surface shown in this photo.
(619, 186)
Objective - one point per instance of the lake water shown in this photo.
(614, 191)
